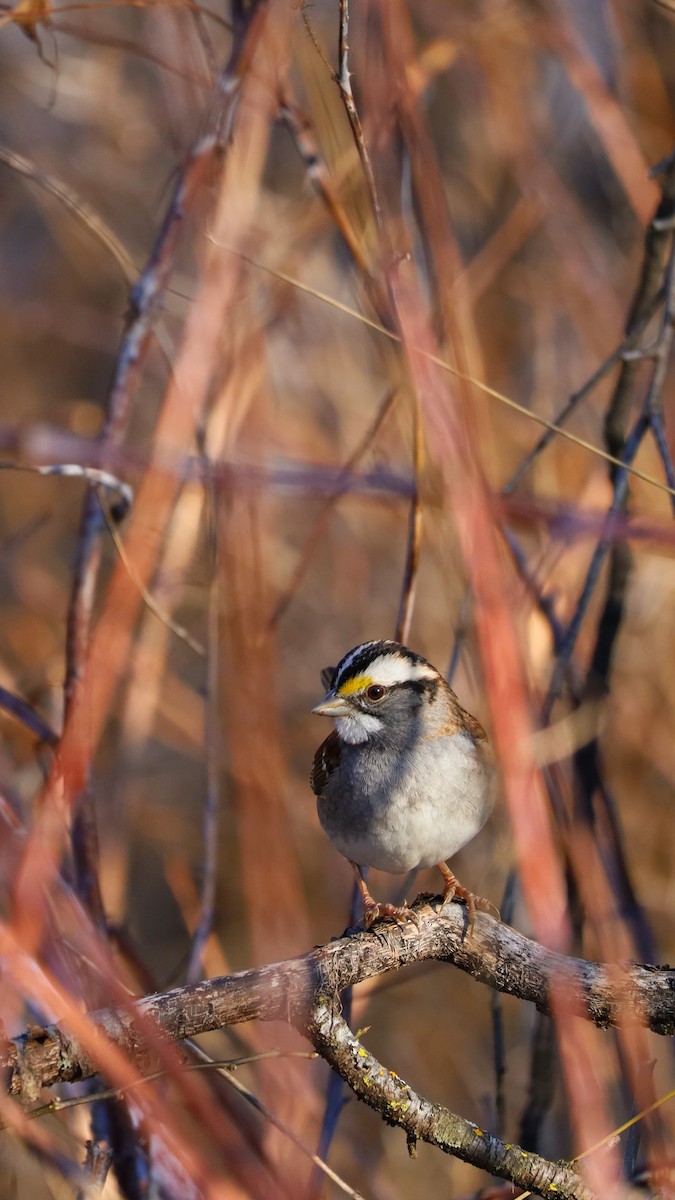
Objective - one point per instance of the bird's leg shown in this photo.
(373, 910)
(452, 888)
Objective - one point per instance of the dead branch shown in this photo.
(398, 1104)
(609, 995)
(306, 993)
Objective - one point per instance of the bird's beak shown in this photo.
(332, 705)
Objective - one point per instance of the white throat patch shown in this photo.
(357, 727)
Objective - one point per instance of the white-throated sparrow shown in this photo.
(406, 778)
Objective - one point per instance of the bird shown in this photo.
(406, 777)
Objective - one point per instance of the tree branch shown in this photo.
(399, 1105)
(306, 992)
(495, 954)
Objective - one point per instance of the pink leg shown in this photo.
(452, 889)
(374, 911)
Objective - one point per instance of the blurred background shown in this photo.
(276, 447)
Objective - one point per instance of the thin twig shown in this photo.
(65, 194)
(344, 82)
(497, 1012)
(414, 534)
(574, 401)
(462, 625)
(207, 897)
(341, 486)
(544, 602)
(148, 599)
(593, 573)
(26, 714)
(314, 40)
(544, 1075)
(305, 140)
(318, 1163)
(62, 1103)
(104, 480)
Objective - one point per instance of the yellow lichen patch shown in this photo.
(356, 684)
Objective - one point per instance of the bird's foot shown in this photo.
(373, 911)
(453, 890)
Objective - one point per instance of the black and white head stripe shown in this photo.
(381, 662)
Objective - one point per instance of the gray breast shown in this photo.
(396, 812)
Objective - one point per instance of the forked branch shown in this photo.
(305, 992)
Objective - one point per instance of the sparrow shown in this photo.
(406, 778)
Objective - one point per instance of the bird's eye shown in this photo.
(375, 692)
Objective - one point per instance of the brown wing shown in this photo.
(326, 760)
(474, 727)
(458, 718)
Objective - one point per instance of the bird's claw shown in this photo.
(453, 890)
(373, 911)
(488, 907)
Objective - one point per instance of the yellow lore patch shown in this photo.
(356, 684)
